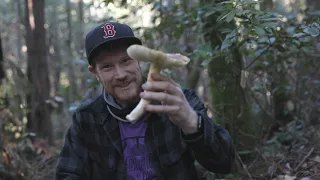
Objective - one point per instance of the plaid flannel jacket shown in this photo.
(92, 147)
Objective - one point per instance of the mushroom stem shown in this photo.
(138, 111)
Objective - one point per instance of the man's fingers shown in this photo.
(160, 77)
(159, 96)
(162, 108)
(163, 86)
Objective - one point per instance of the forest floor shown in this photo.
(288, 155)
(297, 164)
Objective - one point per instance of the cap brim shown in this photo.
(130, 40)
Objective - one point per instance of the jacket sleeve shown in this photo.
(213, 146)
(73, 161)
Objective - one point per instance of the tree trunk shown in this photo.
(57, 58)
(80, 47)
(18, 23)
(195, 73)
(29, 43)
(195, 69)
(2, 72)
(73, 89)
(39, 120)
(228, 98)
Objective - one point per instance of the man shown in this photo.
(163, 144)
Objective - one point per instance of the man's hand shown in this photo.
(174, 103)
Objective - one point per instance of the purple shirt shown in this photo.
(135, 152)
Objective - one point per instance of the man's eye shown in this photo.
(125, 60)
(106, 66)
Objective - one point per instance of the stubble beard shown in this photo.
(129, 95)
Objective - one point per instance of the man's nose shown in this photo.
(120, 73)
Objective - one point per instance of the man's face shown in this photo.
(119, 74)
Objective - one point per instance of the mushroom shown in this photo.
(159, 61)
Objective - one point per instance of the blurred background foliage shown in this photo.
(254, 63)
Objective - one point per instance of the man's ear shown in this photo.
(93, 71)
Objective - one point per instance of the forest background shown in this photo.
(255, 64)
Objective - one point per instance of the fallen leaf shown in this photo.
(285, 177)
(304, 165)
(288, 166)
(272, 169)
(316, 159)
(305, 178)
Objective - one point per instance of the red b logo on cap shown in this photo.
(108, 30)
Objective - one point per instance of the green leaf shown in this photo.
(260, 31)
(231, 5)
(227, 2)
(223, 15)
(298, 35)
(239, 12)
(257, 12)
(230, 16)
(226, 43)
(316, 25)
(250, 2)
(225, 30)
(270, 19)
(206, 62)
(246, 11)
(232, 34)
(209, 13)
(269, 24)
(314, 32)
(296, 43)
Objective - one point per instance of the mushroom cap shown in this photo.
(177, 60)
(165, 60)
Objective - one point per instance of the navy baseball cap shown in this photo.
(107, 33)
